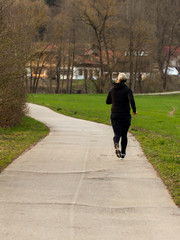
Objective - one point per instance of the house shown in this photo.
(43, 68)
(87, 65)
(174, 63)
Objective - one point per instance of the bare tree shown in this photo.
(136, 35)
(98, 15)
(166, 33)
(63, 32)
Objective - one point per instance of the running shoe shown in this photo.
(122, 155)
(117, 151)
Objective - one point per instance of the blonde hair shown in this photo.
(121, 77)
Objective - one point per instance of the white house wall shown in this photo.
(76, 75)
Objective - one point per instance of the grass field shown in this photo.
(156, 130)
(13, 141)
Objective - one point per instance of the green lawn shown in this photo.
(156, 130)
(13, 141)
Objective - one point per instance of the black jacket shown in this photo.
(121, 97)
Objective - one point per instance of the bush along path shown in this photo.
(156, 127)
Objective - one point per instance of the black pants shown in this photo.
(120, 128)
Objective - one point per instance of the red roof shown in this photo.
(91, 56)
(175, 50)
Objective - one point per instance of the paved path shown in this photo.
(70, 186)
(160, 93)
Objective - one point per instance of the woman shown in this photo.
(121, 97)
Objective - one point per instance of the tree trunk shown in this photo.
(164, 79)
(31, 78)
(58, 72)
(73, 58)
(50, 76)
(63, 75)
(68, 73)
(131, 46)
(108, 59)
(85, 86)
(101, 78)
(131, 64)
(140, 81)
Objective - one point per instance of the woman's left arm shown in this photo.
(109, 99)
(131, 100)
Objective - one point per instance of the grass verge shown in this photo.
(154, 127)
(15, 140)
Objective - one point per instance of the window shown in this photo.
(80, 72)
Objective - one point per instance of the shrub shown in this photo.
(12, 102)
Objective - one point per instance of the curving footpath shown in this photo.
(71, 186)
(160, 93)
